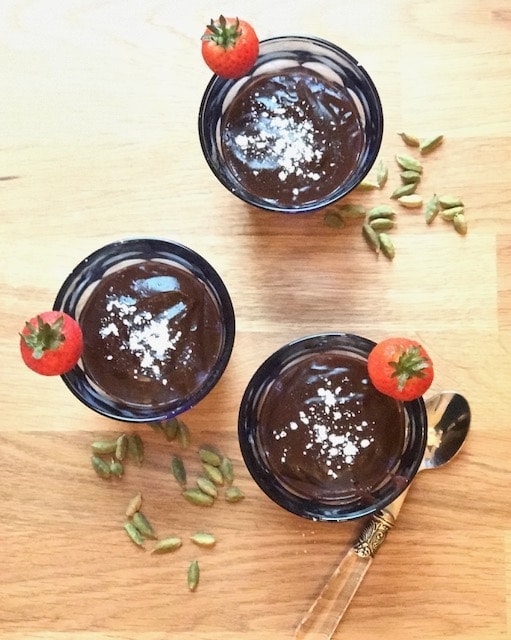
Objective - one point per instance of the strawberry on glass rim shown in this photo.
(230, 47)
(51, 343)
(400, 368)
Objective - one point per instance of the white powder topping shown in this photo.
(150, 339)
(336, 431)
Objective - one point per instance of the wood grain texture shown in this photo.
(98, 120)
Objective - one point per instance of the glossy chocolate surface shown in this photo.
(327, 433)
(292, 138)
(152, 333)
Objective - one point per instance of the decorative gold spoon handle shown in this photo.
(320, 622)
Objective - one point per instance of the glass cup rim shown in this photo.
(76, 380)
(247, 427)
(222, 85)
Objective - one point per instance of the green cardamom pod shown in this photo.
(371, 237)
(207, 486)
(116, 468)
(203, 539)
(169, 428)
(227, 470)
(351, 210)
(210, 456)
(103, 447)
(333, 220)
(412, 201)
(460, 223)
(134, 505)
(121, 447)
(143, 525)
(432, 209)
(449, 214)
(178, 469)
(134, 534)
(408, 163)
(234, 494)
(387, 246)
(429, 144)
(167, 545)
(367, 185)
(193, 575)
(404, 190)
(136, 448)
(410, 176)
(382, 224)
(101, 467)
(409, 139)
(213, 473)
(380, 211)
(198, 498)
(447, 202)
(183, 434)
(382, 174)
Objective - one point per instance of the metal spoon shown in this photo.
(448, 425)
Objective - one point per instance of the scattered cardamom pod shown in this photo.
(183, 434)
(210, 456)
(333, 219)
(410, 176)
(387, 246)
(101, 467)
(371, 237)
(167, 545)
(460, 223)
(207, 486)
(169, 428)
(382, 174)
(134, 505)
(193, 575)
(432, 209)
(121, 447)
(368, 185)
(198, 498)
(136, 448)
(382, 224)
(412, 201)
(351, 210)
(178, 469)
(404, 190)
(429, 144)
(447, 202)
(449, 214)
(408, 163)
(410, 140)
(203, 539)
(227, 470)
(143, 525)
(380, 211)
(134, 534)
(234, 494)
(116, 468)
(213, 473)
(103, 447)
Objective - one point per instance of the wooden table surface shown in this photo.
(98, 142)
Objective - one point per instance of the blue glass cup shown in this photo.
(319, 439)
(344, 76)
(113, 258)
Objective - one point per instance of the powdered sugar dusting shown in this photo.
(334, 427)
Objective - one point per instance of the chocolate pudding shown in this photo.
(327, 434)
(293, 137)
(152, 333)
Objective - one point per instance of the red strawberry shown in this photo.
(230, 47)
(51, 343)
(401, 368)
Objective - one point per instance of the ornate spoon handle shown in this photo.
(320, 622)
